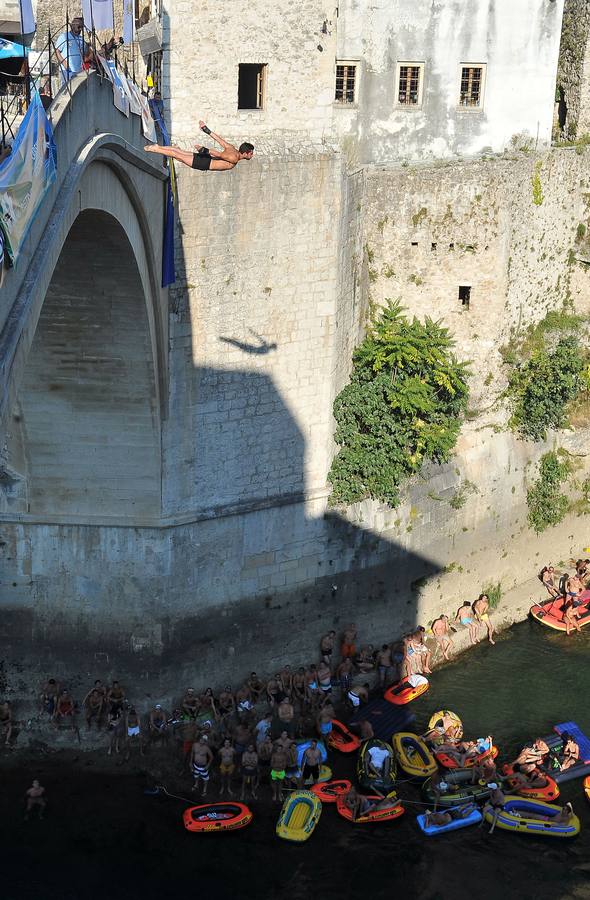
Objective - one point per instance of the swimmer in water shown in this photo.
(207, 159)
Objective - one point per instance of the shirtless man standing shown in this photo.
(93, 707)
(115, 697)
(208, 159)
(256, 686)
(442, 632)
(6, 723)
(278, 764)
(327, 647)
(158, 723)
(226, 766)
(481, 609)
(35, 797)
(299, 688)
(249, 771)
(286, 716)
(200, 760)
(384, 665)
(311, 764)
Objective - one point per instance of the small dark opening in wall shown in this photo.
(251, 85)
(451, 246)
(414, 243)
(433, 246)
(464, 295)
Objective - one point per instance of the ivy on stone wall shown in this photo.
(547, 505)
(548, 371)
(402, 407)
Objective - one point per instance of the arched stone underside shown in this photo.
(87, 406)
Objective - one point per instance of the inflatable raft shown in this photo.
(550, 612)
(374, 815)
(404, 692)
(555, 743)
(446, 722)
(547, 793)
(587, 787)
(329, 791)
(447, 762)
(299, 816)
(473, 818)
(460, 789)
(340, 738)
(513, 817)
(216, 817)
(368, 778)
(413, 755)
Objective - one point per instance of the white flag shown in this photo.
(98, 14)
(128, 21)
(27, 17)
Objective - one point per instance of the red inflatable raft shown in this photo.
(216, 817)
(447, 762)
(548, 793)
(403, 692)
(375, 815)
(340, 738)
(329, 791)
(587, 787)
(550, 612)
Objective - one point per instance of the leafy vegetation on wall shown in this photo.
(547, 504)
(403, 407)
(548, 371)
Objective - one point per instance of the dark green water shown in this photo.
(103, 838)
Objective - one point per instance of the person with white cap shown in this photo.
(158, 723)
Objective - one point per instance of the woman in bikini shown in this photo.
(465, 617)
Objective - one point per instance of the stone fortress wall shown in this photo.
(277, 264)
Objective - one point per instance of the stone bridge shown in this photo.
(83, 327)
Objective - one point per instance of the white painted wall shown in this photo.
(518, 40)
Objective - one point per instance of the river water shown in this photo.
(103, 838)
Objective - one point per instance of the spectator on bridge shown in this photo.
(70, 49)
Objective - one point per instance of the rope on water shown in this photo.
(161, 787)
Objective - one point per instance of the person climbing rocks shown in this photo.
(207, 159)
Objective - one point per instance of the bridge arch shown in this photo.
(83, 308)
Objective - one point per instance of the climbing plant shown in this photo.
(541, 388)
(402, 407)
(547, 505)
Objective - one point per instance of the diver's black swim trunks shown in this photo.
(201, 160)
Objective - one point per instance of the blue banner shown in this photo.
(26, 176)
(168, 271)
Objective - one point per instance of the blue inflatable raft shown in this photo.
(474, 818)
(555, 744)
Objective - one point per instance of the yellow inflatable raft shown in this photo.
(299, 816)
(413, 755)
(513, 817)
(446, 721)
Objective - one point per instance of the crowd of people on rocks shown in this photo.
(252, 730)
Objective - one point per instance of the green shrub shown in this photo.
(494, 592)
(402, 407)
(547, 505)
(540, 388)
(536, 183)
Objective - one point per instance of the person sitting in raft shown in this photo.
(531, 756)
(520, 779)
(410, 681)
(360, 805)
(563, 817)
(445, 818)
(570, 617)
(378, 761)
(570, 752)
(495, 803)
(485, 770)
(461, 751)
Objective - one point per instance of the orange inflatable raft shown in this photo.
(340, 738)
(548, 793)
(587, 787)
(404, 692)
(216, 817)
(329, 791)
(447, 762)
(375, 815)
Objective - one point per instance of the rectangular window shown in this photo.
(472, 82)
(464, 295)
(409, 84)
(251, 85)
(346, 83)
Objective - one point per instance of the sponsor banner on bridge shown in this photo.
(26, 176)
(133, 96)
(98, 15)
(120, 98)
